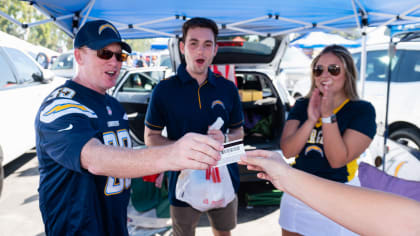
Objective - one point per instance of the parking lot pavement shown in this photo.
(20, 215)
(19, 212)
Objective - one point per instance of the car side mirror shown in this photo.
(37, 77)
(47, 74)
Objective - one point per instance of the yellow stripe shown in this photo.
(237, 123)
(160, 127)
(319, 123)
(63, 107)
(399, 167)
(351, 169)
(198, 92)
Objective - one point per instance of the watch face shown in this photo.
(330, 119)
(333, 118)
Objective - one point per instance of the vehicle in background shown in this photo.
(44, 56)
(301, 88)
(65, 65)
(404, 99)
(133, 90)
(23, 86)
(295, 67)
(400, 161)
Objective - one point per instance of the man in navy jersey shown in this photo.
(84, 149)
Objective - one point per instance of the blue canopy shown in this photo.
(163, 18)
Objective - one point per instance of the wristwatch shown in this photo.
(329, 120)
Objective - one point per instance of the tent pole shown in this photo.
(88, 8)
(11, 19)
(391, 53)
(363, 57)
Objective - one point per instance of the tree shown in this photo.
(46, 35)
(140, 45)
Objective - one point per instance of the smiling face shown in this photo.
(199, 48)
(97, 73)
(329, 64)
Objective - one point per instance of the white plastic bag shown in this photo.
(205, 189)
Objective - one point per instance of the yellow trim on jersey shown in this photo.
(198, 92)
(319, 123)
(237, 123)
(352, 169)
(156, 126)
(59, 108)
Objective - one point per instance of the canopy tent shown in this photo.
(322, 39)
(163, 18)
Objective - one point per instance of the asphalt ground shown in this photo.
(20, 215)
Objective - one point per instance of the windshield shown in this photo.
(64, 61)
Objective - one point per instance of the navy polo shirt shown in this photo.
(183, 106)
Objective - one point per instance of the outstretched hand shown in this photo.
(194, 151)
(271, 165)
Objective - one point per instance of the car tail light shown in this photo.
(230, 44)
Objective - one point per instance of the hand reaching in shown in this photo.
(271, 164)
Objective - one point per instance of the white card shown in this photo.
(231, 153)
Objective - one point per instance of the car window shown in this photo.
(26, 68)
(165, 60)
(138, 82)
(7, 78)
(377, 64)
(409, 67)
(64, 61)
(156, 75)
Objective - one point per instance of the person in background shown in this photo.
(84, 148)
(326, 132)
(140, 61)
(191, 101)
(363, 211)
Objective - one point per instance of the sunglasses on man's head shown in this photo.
(107, 54)
(332, 69)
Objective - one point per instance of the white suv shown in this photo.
(404, 100)
(23, 86)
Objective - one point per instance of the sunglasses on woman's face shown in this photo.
(107, 54)
(332, 69)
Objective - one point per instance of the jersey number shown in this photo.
(120, 138)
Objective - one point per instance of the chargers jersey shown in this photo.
(72, 200)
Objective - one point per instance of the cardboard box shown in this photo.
(256, 95)
(250, 95)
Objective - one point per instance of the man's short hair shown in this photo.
(201, 23)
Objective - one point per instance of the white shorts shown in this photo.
(296, 216)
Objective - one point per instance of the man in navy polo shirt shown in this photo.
(191, 101)
(84, 149)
